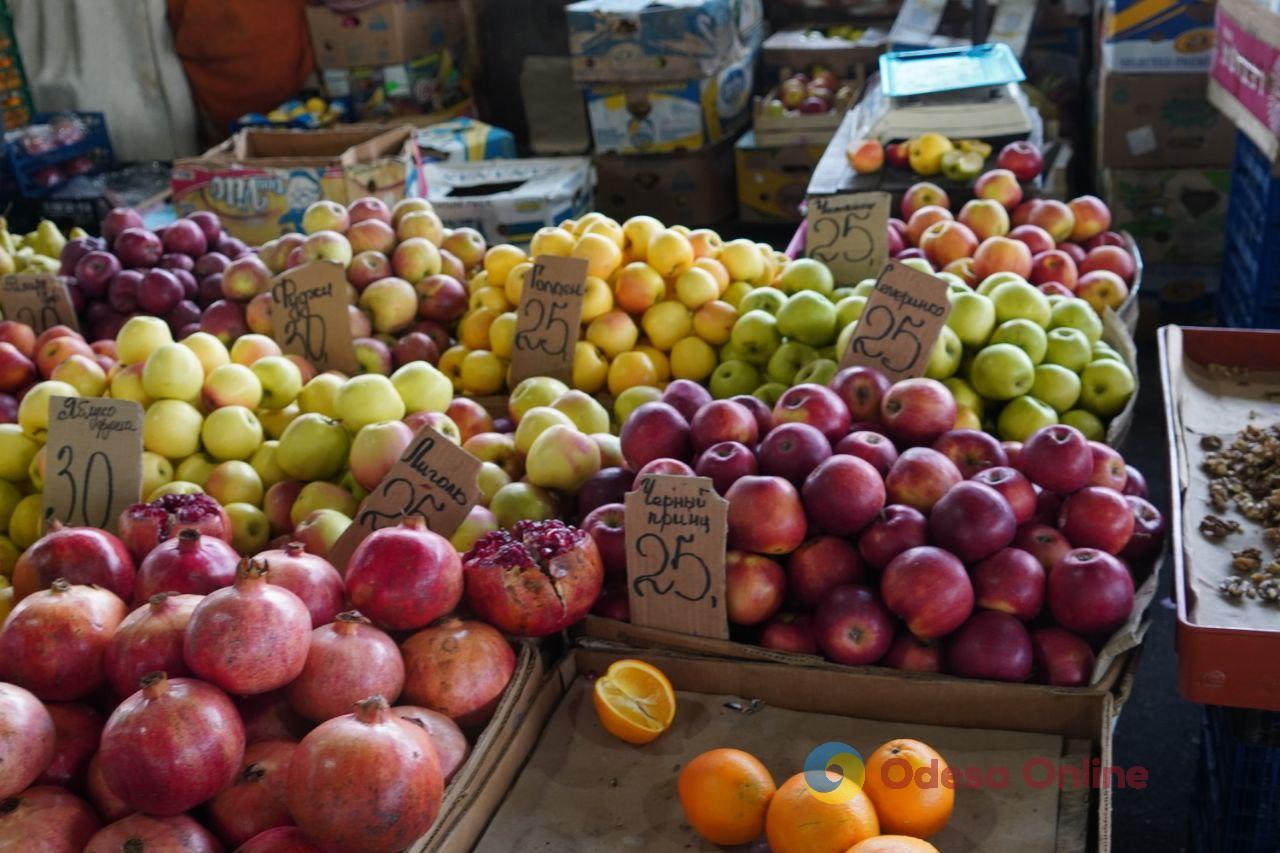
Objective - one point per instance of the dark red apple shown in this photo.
(117, 220)
(652, 431)
(607, 526)
(95, 270)
(1023, 159)
(757, 407)
(793, 451)
(896, 529)
(790, 632)
(725, 463)
(765, 516)
(991, 645)
(606, 486)
(686, 397)
(441, 297)
(138, 248)
(1012, 449)
(1043, 542)
(1134, 482)
(1061, 658)
(1108, 467)
(852, 626)
(1148, 530)
(871, 447)
(754, 587)
(1095, 517)
(1013, 487)
(185, 237)
(1090, 592)
(928, 589)
(159, 292)
(971, 450)
(917, 411)
(972, 521)
(614, 602)
(1048, 507)
(671, 467)
(920, 477)
(16, 370)
(815, 405)
(843, 495)
(1057, 458)
(1011, 581)
(722, 420)
(912, 654)
(861, 389)
(415, 346)
(821, 564)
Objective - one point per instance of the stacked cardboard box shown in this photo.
(1163, 152)
(667, 86)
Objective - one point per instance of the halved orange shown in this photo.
(634, 701)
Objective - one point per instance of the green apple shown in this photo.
(367, 399)
(250, 529)
(313, 447)
(864, 287)
(1023, 334)
(171, 428)
(729, 352)
(318, 394)
(768, 299)
(736, 292)
(264, 462)
(807, 274)
(955, 284)
(531, 392)
(633, 398)
(1068, 347)
(841, 293)
(1018, 300)
(586, 412)
(1057, 386)
(919, 264)
(828, 352)
(787, 360)
(1001, 372)
(1105, 387)
(842, 342)
(1075, 313)
(232, 432)
(769, 392)
(491, 478)
(196, 467)
(755, 335)
(972, 317)
(732, 378)
(849, 309)
(996, 279)
(964, 394)
(281, 381)
(1087, 422)
(1023, 417)
(1102, 351)
(1056, 299)
(519, 501)
(535, 422)
(235, 481)
(808, 317)
(820, 371)
(944, 360)
(421, 387)
(172, 372)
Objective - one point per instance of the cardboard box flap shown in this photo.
(312, 147)
(534, 176)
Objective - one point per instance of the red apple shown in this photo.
(917, 411)
(1075, 252)
(1057, 458)
(790, 632)
(1023, 159)
(1043, 542)
(1114, 259)
(16, 370)
(852, 627)
(972, 521)
(1106, 238)
(991, 645)
(606, 486)
(754, 405)
(999, 185)
(441, 298)
(686, 397)
(1053, 265)
(1013, 487)
(928, 589)
(1108, 467)
(1134, 482)
(896, 529)
(1012, 449)
(971, 450)
(815, 405)
(1054, 288)
(912, 654)
(1090, 592)
(722, 420)
(765, 515)
(1148, 530)
(1095, 517)
(754, 587)
(725, 463)
(1036, 238)
(923, 194)
(1011, 581)
(607, 526)
(861, 389)
(614, 603)
(1061, 658)
(895, 153)
(819, 565)
(22, 336)
(920, 477)
(413, 346)
(871, 447)
(1048, 505)
(654, 430)
(843, 495)
(793, 451)
(1092, 216)
(665, 465)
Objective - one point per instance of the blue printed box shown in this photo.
(1162, 36)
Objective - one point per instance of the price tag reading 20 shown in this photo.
(675, 540)
(549, 318)
(93, 464)
(900, 323)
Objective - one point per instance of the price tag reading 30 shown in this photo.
(93, 462)
(849, 233)
(900, 323)
(549, 318)
(675, 539)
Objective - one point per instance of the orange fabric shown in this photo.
(241, 55)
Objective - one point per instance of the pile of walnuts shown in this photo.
(1245, 475)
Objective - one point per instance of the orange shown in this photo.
(798, 822)
(907, 807)
(725, 794)
(893, 844)
(634, 701)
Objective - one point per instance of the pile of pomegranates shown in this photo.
(239, 701)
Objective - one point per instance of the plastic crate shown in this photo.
(22, 167)
(1249, 295)
(15, 94)
(1237, 806)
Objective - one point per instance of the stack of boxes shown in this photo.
(1163, 152)
(668, 88)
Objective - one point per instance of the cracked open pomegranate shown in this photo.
(538, 578)
(144, 526)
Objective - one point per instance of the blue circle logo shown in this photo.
(834, 772)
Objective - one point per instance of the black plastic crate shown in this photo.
(1249, 296)
(1237, 804)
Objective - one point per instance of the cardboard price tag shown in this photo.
(93, 461)
(309, 316)
(676, 531)
(434, 478)
(849, 233)
(40, 300)
(549, 318)
(900, 323)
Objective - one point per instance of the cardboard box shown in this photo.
(800, 50)
(942, 23)
(1149, 121)
(260, 181)
(653, 118)
(464, 140)
(389, 32)
(692, 187)
(613, 41)
(773, 179)
(1177, 216)
(1244, 81)
(1148, 36)
(433, 83)
(509, 200)
(564, 781)
(553, 107)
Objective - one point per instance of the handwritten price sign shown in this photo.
(549, 318)
(900, 323)
(849, 233)
(309, 316)
(39, 300)
(93, 460)
(676, 528)
(434, 478)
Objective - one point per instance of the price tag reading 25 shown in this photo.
(549, 318)
(900, 323)
(93, 464)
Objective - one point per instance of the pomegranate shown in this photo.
(144, 526)
(54, 641)
(110, 806)
(282, 839)
(77, 728)
(450, 743)
(48, 819)
(28, 739)
(404, 577)
(150, 640)
(190, 562)
(458, 668)
(250, 637)
(268, 716)
(255, 801)
(348, 661)
(82, 555)
(311, 578)
(141, 833)
(538, 578)
(172, 745)
(365, 781)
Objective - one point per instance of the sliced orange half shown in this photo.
(634, 701)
